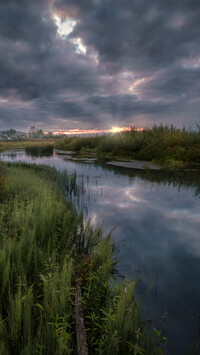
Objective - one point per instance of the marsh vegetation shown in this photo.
(166, 145)
(45, 248)
(27, 143)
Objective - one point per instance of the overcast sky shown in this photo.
(88, 64)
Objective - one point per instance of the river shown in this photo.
(155, 217)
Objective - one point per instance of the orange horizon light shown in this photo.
(78, 131)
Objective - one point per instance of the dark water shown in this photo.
(158, 215)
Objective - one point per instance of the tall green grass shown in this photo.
(39, 150)
(44, 248)
(167, 145)
(3, 181)
(78, 143)
(113, 321)
(38, 237)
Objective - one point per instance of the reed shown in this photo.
(78, 143)
(45, 248)
(166, 145)
(113, 321)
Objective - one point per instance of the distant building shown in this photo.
(12, 134)
(35, 133)
(3, 136)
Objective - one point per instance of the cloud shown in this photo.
(100, 62)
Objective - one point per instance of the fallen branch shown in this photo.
(82, 347)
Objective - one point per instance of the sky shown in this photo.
(97, 64)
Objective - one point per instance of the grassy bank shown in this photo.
(45, 249)
(29, 143)
(165, 145)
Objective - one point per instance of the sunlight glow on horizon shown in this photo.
(118, 129)
(93, 131)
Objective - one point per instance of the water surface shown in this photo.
(156, 221)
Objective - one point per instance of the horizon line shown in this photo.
(78, 131)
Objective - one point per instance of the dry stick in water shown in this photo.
(82, 347)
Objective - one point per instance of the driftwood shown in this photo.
(82, 347)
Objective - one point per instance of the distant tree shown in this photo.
(40, 132)
(9, 132)
(198, 125)
(50, 134)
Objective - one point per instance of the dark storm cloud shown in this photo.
(179, 82)
(125, 106)
(34, 61)
(135, 33)
(142, 63)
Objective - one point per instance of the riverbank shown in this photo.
(125, 163)
(159, 147)
(169, 147)
(26, 143)
(45, 249)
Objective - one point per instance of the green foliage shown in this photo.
(39, 151)
(45, 248)
(9, 132)
(113, 320)
(38, 232)
(3, 181)
(78, 143)
(166, 145)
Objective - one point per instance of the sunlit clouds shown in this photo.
(80, 48)
(65, 27)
